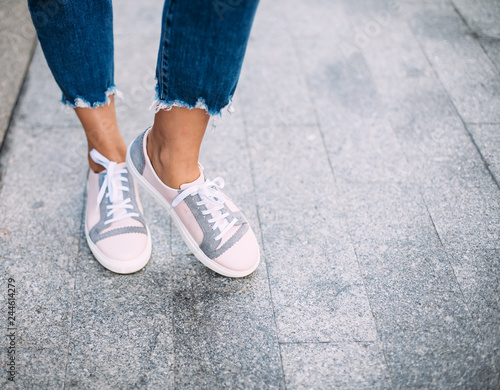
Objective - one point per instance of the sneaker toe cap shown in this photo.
(243, 256)
(124, 247)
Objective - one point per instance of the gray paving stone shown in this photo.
(458, 360)
(361, 144)
(479, 278)
(341, 87)
(425, 121)
(349, 365)
(121, 331)
(147, 16)
(41, 107)
(407, 275)
(272, 89)
(315, 19)
(463, 202)
(17, 41)
(429, 335)
(40, 211)
(487, 139)
(37, 368)
(492, 48)
(482, 16)
(136, 50)
(394, 51)
(317, 291)
(224, 331)
(460, 197)
(365, 151)
(463, 67)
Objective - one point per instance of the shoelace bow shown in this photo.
(214, 200)
(114, 190)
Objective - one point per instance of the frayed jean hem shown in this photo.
(81, 102)
(166, 104)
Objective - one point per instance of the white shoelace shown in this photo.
(113, 183)
(213, 199)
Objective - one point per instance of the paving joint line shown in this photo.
(73, 300)
(464, 123)
(252, 174)
(318, 124)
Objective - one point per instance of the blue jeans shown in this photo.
(201, 51)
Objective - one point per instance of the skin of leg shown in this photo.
(174, 144)
(101, 128)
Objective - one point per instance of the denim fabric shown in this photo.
(201, 50)
(77, 40)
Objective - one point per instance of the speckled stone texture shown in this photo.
(17, 40)
(364, 151)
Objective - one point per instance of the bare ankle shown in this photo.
(173, 167)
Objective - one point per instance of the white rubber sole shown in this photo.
(186, 236)
(119, 266)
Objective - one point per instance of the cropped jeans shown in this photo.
(201, 50)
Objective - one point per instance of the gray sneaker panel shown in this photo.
(209, 244)
(137, 153)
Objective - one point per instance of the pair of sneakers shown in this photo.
(213, 228)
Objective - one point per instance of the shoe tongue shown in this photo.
(197, 182)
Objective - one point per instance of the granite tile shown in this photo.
(492, 48)
(146, 15)
(41, 107)
(482, 16)
(224, 331)
(430, 336)
(37, 368)
(121, 332)
(349, 365)
(478, 274)
(135, 58)
(463, 202)
(487, 139)
(315, 19)
(318, 294)
(424, 120)
(455, 360)
(401, 256)
(16, 47)
(365, 150)
(361, 144)
(395, 53)
(341, 87)
(468, 75)
(40, 212)
(272, 90)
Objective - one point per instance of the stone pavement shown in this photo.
(365, 150)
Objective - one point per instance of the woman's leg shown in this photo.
(77, 41)
(199, 62)
(101, 129)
